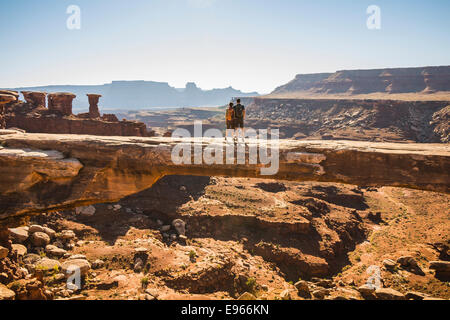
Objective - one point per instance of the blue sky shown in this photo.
(252, 45)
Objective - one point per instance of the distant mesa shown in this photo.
(33, 115)
(353, 82)
(136, 95)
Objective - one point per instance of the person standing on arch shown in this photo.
(230, 121)
(239, 116)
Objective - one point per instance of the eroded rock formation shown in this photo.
(34, 180)
(61, 102)
(35, 98)
(6, 97)
(32, 116)
(93, 105)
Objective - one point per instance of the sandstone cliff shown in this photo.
(397, 80)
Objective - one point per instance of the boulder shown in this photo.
(412, 295)
(40, 239)
(3, 252)
(48, 265)
(180, 226)
(367, 292)
(31, 258)
(303, 289)
(440, 266)
(5, 293)
(77, 256)
(107, 285)
(285, 295)
(320, 293)
(67, 235)
(69, 265)
(85, 211)
(97, 264)
(165, 228)
(20, 249)
(19, 235)
(35, 228)
(55, 251)
(389, 264)
(324, 283)
(388, 294)
(247, 296)
(29, 289)
(407, 262)
(50, 232)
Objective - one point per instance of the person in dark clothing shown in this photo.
(239, 116)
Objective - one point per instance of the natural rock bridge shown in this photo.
(44, 172)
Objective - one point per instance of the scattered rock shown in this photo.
(180, 226)
(19, 235)
(30, 289)
(320, 293)
(389, 264)
(412, 295)
(138, 264)
(50, 232)
(6, 294)
(346, 294)
(69, 265)
(367, 292)
(440, 266)
(407, 262)
(3, 252)
(55, 251)
(303, 289)
(107, 285)
(388, 294)
(324, 283)
(117, 207)
(35, 228)
(67, 235)
(121, 279)
(152, 292)
(20, 249)
(40, 239)
(285, 295)
(31, 258)
(97, 264)
(77, 256)
(165, 228)
(247, 296)
(85, 211)
(48, 265)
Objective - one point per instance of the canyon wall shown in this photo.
(373, 120)
(396, 80)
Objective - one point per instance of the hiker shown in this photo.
(239, 115)
(229, 117)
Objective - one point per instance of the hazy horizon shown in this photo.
(248, 45)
